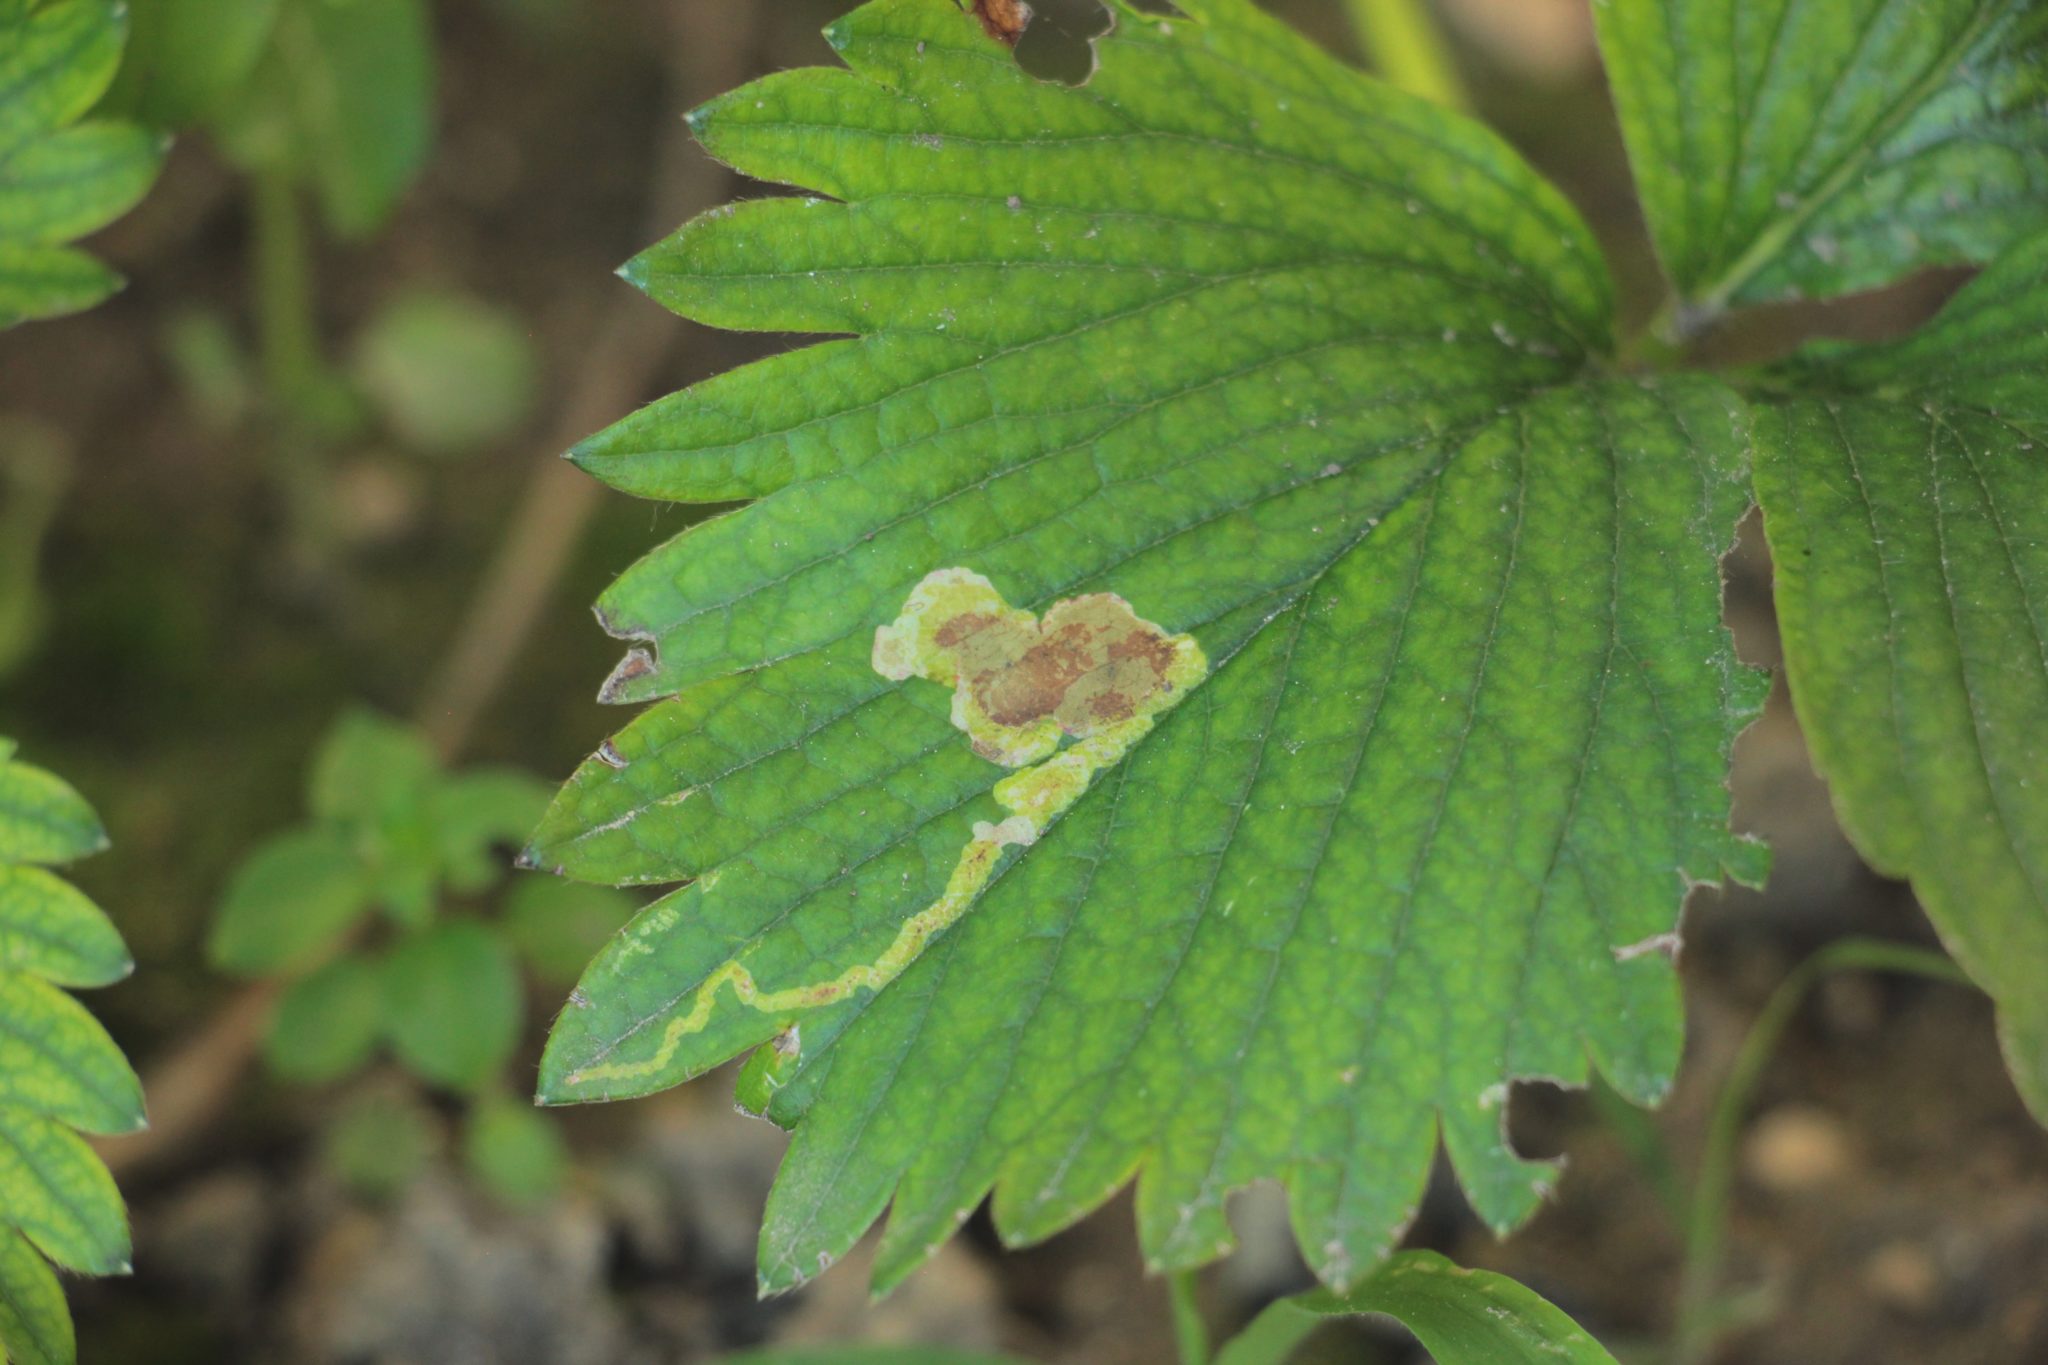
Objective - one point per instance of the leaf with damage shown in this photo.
(1217, 677)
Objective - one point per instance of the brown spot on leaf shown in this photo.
(1092, 663)
(1004, 19)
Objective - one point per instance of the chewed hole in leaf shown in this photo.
(1057, 40)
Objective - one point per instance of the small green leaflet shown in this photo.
(1907, 511)
(1252, 351)
(59, 1071)
(61, 178)
(1813, 147)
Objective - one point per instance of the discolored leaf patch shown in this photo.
(1005, 20)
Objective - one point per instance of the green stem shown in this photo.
(1406, 46)
(1189, 1330)
(287, 334)
(1706, 1227)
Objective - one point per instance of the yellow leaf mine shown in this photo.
(1090, 675)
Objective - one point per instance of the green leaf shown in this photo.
(1811, 147)
(328, 1023)
(452, 1004)
(1905, 514)
(378, 1144)
(289, 904)
(56, 1060)
(186, 57)
(35, 1326)
(480, 813)
(58, 1067)
(447, 373)
(49, 928)
(42, 820)
(60, 179)
(1463, 1317)
(558, 926)
(1374, 786)
(343, 101)
(516, 1151)
(868, 1355)
(377, 782)
(60, 1196)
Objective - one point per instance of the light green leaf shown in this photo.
(1908, 519)
(289, 904)
(1463, 1317)
(447, 373)
(186, 57)
(342, 100)
(49, 928)
(515, 1150)
(1379, 780)
(56, 1060)
(328, 1023)
(558, 925)
(42, 820)
(58, 1067)
(59, 181)
(35, 1326)
(60, 1196)
(452, 1004)
(1812, 147)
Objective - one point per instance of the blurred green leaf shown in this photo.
(452, 1004)
(480, 814)
(515, 1150)
(868, 1355)
(288, 905)
(378, 1143)
(449, 375)
(186, 57)
(327, 1023)
(35, 1326)
(1905, 503)
(1463, 1317)
(377, 780)
(35, 467)
(342, 100)
(1813, 147)
(60, 179)
(559, 925)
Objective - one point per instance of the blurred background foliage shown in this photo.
(298, 481)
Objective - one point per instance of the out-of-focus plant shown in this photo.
(367, 913)
(327, 104)
(59, 1071)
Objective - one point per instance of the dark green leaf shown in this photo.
(289, 904)
(1812, 147)
(327, 1023)
(1436, 709)
(452, 1004)
(1463, 1317)
(1906, 516)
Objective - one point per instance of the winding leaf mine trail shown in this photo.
(1090, 671)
